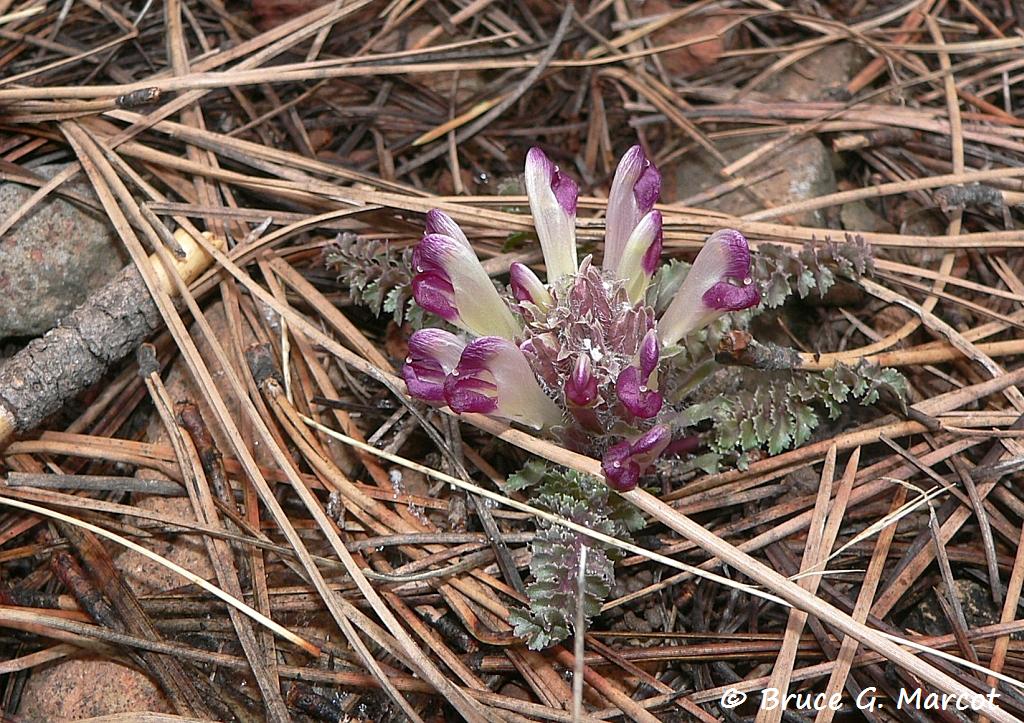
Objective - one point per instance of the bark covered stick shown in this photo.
(109, 325)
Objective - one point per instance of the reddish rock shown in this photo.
(269, 14)
(691, 59)
(74, 689)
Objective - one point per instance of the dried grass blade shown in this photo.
(814, 552)
(192, 578)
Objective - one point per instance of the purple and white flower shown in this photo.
(624, 462)
(579, 355)
(718, 282)
(635, 190)
(493, 377)
(553, 198)
(451, 283)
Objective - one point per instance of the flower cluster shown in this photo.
(583, 355)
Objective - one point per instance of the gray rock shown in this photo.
(820, 76)
(858, 216)
(797, 172)
(919, 221)
(53, 258)
(801, 171)
(975, 600)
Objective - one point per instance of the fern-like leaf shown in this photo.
(375, 275)
(780, 271)
(778, 410)
(554, 593)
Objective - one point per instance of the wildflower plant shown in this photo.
(582, 355)
(615, 359)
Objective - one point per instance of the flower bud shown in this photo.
(640, 259)
(683, 445)
(719, 281)
(650, 352)
(639, 401)
(635, 189)
(553, 204)
(527, 287)
(494, 378)
(581, 385)
(631, 386)
(625, 462)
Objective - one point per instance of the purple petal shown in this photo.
(438, 222)
(635, 189)
(493, 377)
(736, 249)
(432, 252)
(724, 296)
(638, 400)
(472, 395)
(434, 292)
(564, 187)
(650, 350)
(527, 287)
(581, 386)
(566, 191)
(652, 443)
(652, 258)
(620, 472)
(538, 161)
(442, 346)
(647, 188)
(471, 387)
(425, 381)
(683, 445)
(433, 354)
